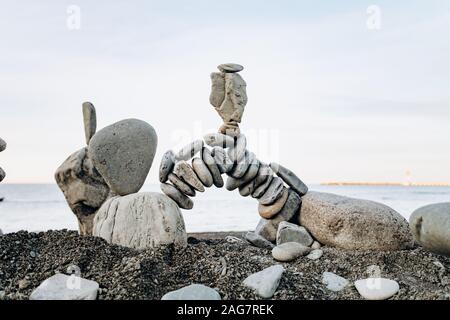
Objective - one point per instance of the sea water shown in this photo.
(39, 207)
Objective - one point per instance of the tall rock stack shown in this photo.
(2, 148)
(277, 189)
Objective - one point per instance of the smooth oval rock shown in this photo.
(202, 172)
(183, 170)
(269, 211)
(290, 178)
(90, 120)
(222, 160)
(258, 241)
(2, 145)
(264, 172)
(252, 170)
(265, 282)
(213, 168)
(273, 192)
(64, 287)
(242, 166)
(315, 254)
(189, 150)
(176, 195)
(349, 223)
(181, 185)
(140, 221)
(166, 166)
(268, 228)
(289, 232)
(334, 282)
(123, 154)
(230, 67)
(193, 292)
(237, 153)
(289, 251)
(430, 226)
(218, 140)
(377, 288)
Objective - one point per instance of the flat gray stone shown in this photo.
(181, 185)
(141, 221)
(264, 172)
(123, 154)
(213, 168)
(232, 183)
(315, 254)
(90, 120)
(247, 189)
(316, 245)
(166, 166)
(242, 166)
(289, 251)
(189, 151)
(265, 282)
(273, 192)
(290, 178)
(267, 228)
(193, 292)
(64, 287)
(259, 191)
(258, 241)
(430, 226)
(176, 195)
(351, 224)
(334, 282)
(230, 67)
(289, 232)
(271, 210)
(202, 172)
(222, 160)
(218, 140)
(237, 153)
(377, 288)
(252, 170)
(186, 172)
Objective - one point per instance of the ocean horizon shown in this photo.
(42, 207)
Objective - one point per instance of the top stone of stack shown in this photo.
(230, 67)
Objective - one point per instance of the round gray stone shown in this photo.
(166, 166)
(176, 195)
(123, 154)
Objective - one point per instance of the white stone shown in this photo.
(377, 288)
(190, 150)
(141, 220)
(315, 254)
(193, 292)
(64, 287)
(334, 282)
(316, 245)
(265, 282)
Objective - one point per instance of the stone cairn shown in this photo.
(277, 189)
(2, 148)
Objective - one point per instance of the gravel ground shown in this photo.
(26, 259)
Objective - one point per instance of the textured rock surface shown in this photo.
(237, 153)
(289, 251)
(353, 223)
(334, 282)
(265, 282)
(176, 195)
(269, 211)
(268, 228)
(376, 288)
(64, 287)
(430, 226)
(190, 150)
(181, 185)
(258, 241)
(83, 187)
(289, 232)
(273, 192)
(90, 120)
(141, 220)
(123, 154)
(166, 166)
(289, 178)
(193, 292)
(184, 171)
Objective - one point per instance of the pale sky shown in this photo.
(329, 97)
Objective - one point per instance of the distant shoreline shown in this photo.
(387, 184)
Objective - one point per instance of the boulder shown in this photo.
(64, 287)
(140, 221)
(193, 292)
(430, 226)
(83, 187)
(123, 154)
(349, 223)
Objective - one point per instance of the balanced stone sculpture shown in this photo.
(2, 148)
